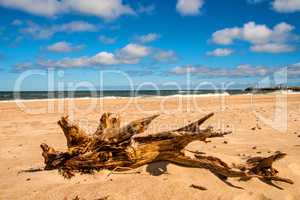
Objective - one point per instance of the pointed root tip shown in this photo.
(63, 121)
(44, 147)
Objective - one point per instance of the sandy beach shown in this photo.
(261, 125)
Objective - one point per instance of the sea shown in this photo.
(35, 95)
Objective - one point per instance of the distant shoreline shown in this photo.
(145, 96)
(31, 95)
(272, 89)
(114, 94)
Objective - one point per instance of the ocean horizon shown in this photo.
(30, 95)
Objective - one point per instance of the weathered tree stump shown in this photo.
(113, 147)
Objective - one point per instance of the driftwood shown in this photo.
(121, 148)
(198, 187)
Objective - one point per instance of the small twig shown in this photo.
(275, 178)
(115, 169)
(138, 172)
(198, 187)
(31, 170)
(195, 152)
(78, 198)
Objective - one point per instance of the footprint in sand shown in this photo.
(295, 168)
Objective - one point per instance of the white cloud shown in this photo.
(44, 32)
(239, 71)
(36, 31)
(286, 6)
(184, 70)
(189, 7)
(226, 36)
(150, 37)
(165, 56)
(245, 70)
(105, 58)
(76, 26)
(263, 38)
(100, 59)
(107, 40)
(37, 7)
(272, 48)
(130, 54)
(219, 52)
(256, 33)
(111, 9)
(64, 63)
(283, 32)
(63, 47)
(248, 70)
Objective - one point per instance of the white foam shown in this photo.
(58, 99)
(195, 95)
(293, 92)
(117, 97)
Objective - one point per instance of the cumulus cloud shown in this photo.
(286, 6)
(256, 33)
(226, 36)
(36, 7)
(100, 59)
(263, 38)
(150, 37)
(130, 54)
(272, 48)
(111, 9)
(189, 7)
(102, 8)
(44, 32)
(165, 56)
(107, 40)
(220, 52)
(253, 33)
(63, 47)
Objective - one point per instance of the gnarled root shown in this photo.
(114, 147)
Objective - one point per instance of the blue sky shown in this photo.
(239, 41)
